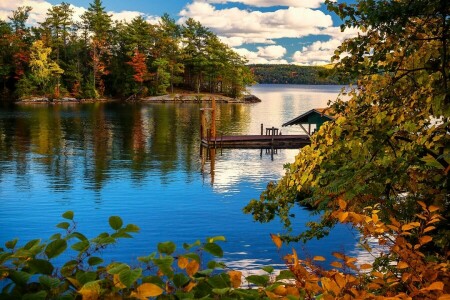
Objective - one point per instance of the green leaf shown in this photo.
(268, 269)
(216, 265)
(166, 247)
(77, 235)
(86, 277)
(40, 266)
(180, 280)
(219, 281)
(115, 222)
(18, 277)
(128, 277)
(81, 246)
(221, 291)
(121, 234)
(49, 282)
(165, 265)
(41, 295)
(63, 225)
(215, 239)
(93, 261)
(11, 244)
(285, 274)
(259, 280)
(116, 268)
(55, 248)
(213, 249)
(193, 256)
(68, 215)
(132, 228)
(189, 246)
(31, 244)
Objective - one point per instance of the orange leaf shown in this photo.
(429, 228)
(410, 226)
(424, 206)
(190, 286)
(342, 204)
(365, 266)
(280, 290)
(433, 208)
(336, 264)
(338, 255)
(402, 265)
(292, 290)
(444, 297)
(375, 218)
(146, 290)
(438, 285)
(192, 267)
(343, 216)
(319, 258)
(235, 278)
(182, 262)
(277, 241)
(425, 239)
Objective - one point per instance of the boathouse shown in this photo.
(313, 119)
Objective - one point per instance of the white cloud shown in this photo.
(271, 3)
(40, 8)
(255, 58)
(318, 53)
(272, 52)
(249, 26)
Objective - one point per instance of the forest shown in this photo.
(98, 58)
(293, 74)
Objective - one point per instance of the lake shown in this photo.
(142, 162)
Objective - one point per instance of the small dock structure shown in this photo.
(269, 137)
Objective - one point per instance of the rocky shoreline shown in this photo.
(175, 98)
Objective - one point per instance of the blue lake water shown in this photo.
(142, 162)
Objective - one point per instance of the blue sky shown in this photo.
(299, 32)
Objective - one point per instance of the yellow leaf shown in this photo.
(425, 239)
(88, 294)
(402, 265)
(319, 258)
(280, 290)
(146, 290)
(235, 278)
(182, 262)
(117, 282)
(343, 216)
(192, 267)
(277, 241)
(438, 285)
(375, 218)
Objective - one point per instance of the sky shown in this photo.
(298, 32)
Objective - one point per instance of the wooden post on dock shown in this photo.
(213, 118)
(262, 127)
(202, 124)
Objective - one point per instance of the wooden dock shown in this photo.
(257, 141)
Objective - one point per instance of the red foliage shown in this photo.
(139, 66)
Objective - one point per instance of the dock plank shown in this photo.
(257, 141)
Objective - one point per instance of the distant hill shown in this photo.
(292, 74)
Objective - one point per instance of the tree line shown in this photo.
(293, 74)
(97, 57)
